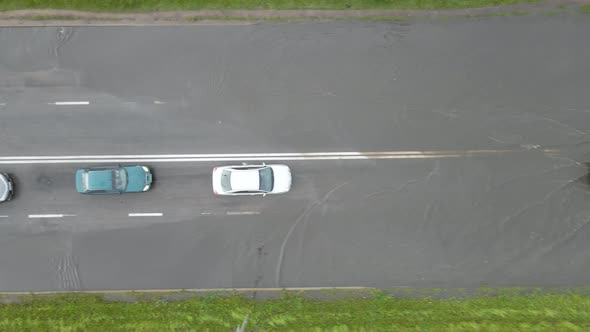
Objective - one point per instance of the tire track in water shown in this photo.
(67, 273)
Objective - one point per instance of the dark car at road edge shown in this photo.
(6, 187)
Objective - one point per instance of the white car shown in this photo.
(251, 179)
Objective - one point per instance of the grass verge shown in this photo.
(585, 9)
(162, 5)
(247, 18)
(293, 312)
(195, 19)
(48, 17)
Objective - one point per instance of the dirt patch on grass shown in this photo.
(52, 17)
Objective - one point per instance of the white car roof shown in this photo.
(245, 180)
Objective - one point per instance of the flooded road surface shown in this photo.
(484, 122)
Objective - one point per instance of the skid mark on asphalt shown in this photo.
(63, 35)
(67, 273)
(492, 188)
(544, 239)
(261, 254)
(562, 240)
(571, 130)
(434, 172)
(303, 217)
(392, 190)
(528, 175)
(540, 202)
(573, 109)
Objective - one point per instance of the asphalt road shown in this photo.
(517, 84)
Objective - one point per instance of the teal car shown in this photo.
(113, 179)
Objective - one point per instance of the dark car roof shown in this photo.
(3, 187)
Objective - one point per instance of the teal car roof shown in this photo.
(100, 180)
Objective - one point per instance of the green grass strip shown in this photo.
(161, 5)
(85, 312)
(62, 18)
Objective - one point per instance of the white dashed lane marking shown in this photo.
(37, 216)
(71, 103)
(231, 213)
(242, 213)
(157, 214)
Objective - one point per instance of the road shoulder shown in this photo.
(53, 17)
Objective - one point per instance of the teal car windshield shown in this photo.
(120, 179)
(85, 181)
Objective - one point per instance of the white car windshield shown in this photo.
(226, 180)
(266, 179)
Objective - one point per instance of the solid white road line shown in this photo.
(272, 155)
(3, 216)
(258, 156)
(71, 103)
(34, 216)
(145, 214)
(242, 213)
(187, 160)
